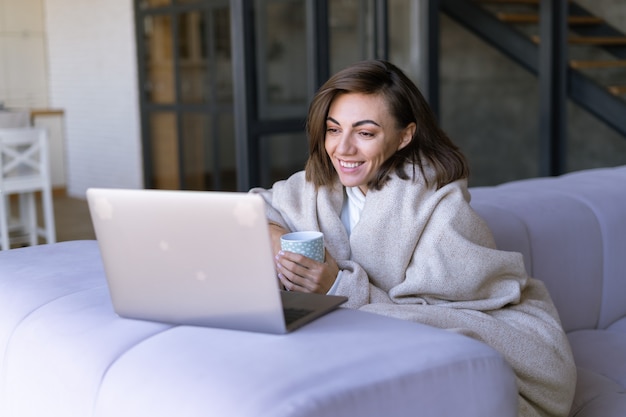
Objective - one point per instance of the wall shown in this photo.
(490, 108)
(23, 70)
(93, 77)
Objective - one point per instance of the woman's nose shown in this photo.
(345, 145)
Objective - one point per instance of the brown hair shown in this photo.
(406, 104)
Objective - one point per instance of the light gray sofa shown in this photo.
(572, 232)
(63, 352)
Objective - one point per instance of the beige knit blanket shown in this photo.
(424, 255)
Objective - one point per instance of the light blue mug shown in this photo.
(308, 243)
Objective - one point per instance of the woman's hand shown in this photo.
(299, 273)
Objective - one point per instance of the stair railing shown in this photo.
(546, 57)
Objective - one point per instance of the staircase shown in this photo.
(593, 71)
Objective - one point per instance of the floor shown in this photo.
(72, 219)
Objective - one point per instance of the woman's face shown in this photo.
(361, 135)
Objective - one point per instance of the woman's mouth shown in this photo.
(347, 164)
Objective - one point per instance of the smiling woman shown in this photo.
(388, 189)
(385, 96)
(361, 135)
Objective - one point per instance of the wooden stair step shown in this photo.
(592, 40)
(534, 18)
(598, 40)
(509, 1)
(581, 64)
(617, 90)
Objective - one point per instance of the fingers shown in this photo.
(299, 273)
(297, 260)
(291, 285)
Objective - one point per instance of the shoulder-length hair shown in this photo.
(407, 105)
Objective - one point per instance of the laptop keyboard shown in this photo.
(293, 314)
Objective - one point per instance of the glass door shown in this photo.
(226, 84)
(286, 50)
(184, 56)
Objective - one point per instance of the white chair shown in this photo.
(24, 171)
(14, 118)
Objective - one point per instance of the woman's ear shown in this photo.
(407, 135)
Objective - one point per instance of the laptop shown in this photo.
(198, 258)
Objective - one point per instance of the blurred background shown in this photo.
(212, 94)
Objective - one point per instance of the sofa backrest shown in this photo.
(572, 232)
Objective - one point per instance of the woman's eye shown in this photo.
(366, 134)
(332, 130)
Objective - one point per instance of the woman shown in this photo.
(389, 191)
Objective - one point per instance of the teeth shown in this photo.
(349, 164)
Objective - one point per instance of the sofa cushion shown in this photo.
(570, 266)
(618, 326)
(601, 351)
(576, 232)
(64, 353)
(597, 395)
(604, 192)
